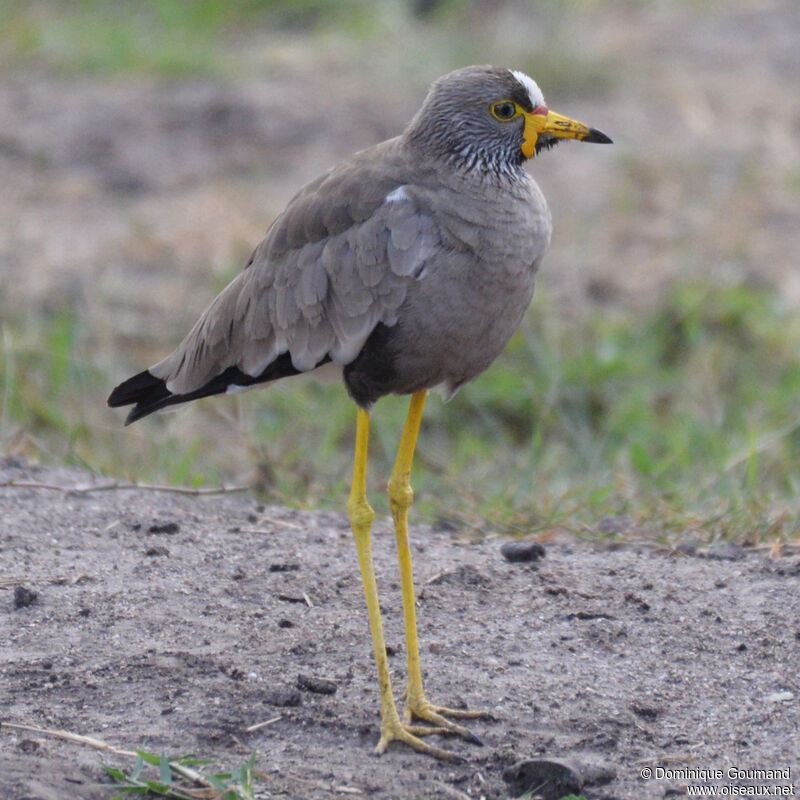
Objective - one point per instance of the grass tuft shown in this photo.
(178, 779)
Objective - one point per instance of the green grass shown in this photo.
(171, 38)
(178, 779)
(684, 416)
(222, 39)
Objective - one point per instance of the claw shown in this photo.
(427, 712)
(395, 730)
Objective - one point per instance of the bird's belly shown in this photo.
(452, 337)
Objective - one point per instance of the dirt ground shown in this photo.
(174, 623)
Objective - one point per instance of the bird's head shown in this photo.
(491, 117)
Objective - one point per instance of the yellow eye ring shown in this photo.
(505, 110)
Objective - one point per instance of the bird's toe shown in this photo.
(410, 735)
(437, 715)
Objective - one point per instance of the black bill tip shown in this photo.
(597, 137)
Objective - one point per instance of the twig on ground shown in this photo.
(282, 524)
(120, 486)
(451, 791)
(99, 744)
(322, 785)
(259, 725)
(69, 736)
(277, 522)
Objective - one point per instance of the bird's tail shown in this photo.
(147, 393)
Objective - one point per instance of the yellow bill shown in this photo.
(541, 123)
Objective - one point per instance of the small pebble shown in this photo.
(559, 778)
(281, 567)
(316, 685)
(641, 604)
(522, 551)
(645, 711)
(24, 597)
(164, 527)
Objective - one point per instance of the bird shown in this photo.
(405, 268)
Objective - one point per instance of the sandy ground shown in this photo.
(174, 623)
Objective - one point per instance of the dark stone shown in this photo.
(641, 604)
(164, 527)
(646, 712)
(24, 597)
(545, 778)
(522, 551)
(316, 685)
(590, 615)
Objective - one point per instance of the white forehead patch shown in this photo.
(530, 86)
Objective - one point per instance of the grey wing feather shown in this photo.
(313, 288)
(413, 240)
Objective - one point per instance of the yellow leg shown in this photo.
(361, 518)
(401, 496)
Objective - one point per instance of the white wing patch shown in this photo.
(531, 87)
(397, 195)
(234, 388)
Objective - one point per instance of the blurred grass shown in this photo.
(209, 38)
(173, 38)
(687, 412)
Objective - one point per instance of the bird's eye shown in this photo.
(504, 110)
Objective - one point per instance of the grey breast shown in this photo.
(472, 294)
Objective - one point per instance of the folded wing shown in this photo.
(336, 263)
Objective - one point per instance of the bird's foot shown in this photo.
(422, 709)
(395, 730)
